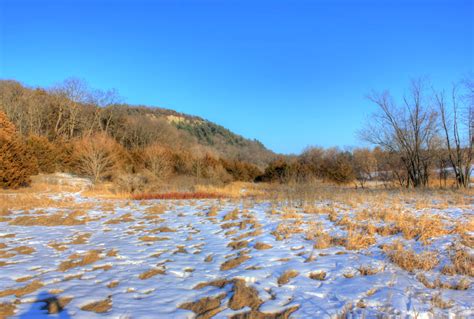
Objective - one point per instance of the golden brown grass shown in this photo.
(238, 244)
(152, 238)
(367, 270)
(113, 284)
(23, 279)
(408, 260)
(19, 292)
(287, 228)
(205, 307)
(234, 262)
(101, 306)
(24, 250)
(462, 263)
(262, 246)
(287, 276)
(77, 260)
(151, 273)
(318, 275)
(7, 310)
(439, 302)
(125, 218)
(462, 284)
(56, 219)
(357, 240)
(233, 190)
(244, 296)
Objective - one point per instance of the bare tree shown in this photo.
(158, 160)
(455, 119)
(97, 156)
(407, 130)
(365, 165)
(71, 94)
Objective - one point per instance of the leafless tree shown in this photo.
(71, 94)
(158, 160)
(365, 165)
(97, 156)
(456, 118)
(407, 130)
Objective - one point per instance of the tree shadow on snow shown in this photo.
(46, 306)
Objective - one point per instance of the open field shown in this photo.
(291, 253)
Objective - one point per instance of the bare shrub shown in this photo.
(97, 157)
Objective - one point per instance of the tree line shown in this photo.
(425, 137)
(73, 128)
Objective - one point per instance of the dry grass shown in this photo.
(23, 279)
(439, 302)
(262, 246)
(24, 250)
(369, 270)
(57, 219)
(244, 296)
(357, 240)
(318, 275)
(80, 239)
(7, 310)
(101, 306)
(125, 218)
(113, 284)
(233, 215)
(462, 284)
(205, 307)
(462, 264)
(76, 260)
(322, 241)
(234, 190)
(151, 273)
(232, 263)
(287, 228)
(238, 244)
(287, 276)
(19, 292)
(409, 260)
(152, 238)
(176, 195)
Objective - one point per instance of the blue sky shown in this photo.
(289, 73)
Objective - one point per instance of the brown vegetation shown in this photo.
(101, 306)
(408, 259)
(77, 260)
(286, 276)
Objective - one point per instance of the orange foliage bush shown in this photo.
(44, 151)
(16, 163)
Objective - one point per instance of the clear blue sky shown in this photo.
(289, 73)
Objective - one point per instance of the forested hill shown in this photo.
(72, 109)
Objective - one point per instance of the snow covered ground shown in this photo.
(217, 258)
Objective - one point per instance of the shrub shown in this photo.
(16, 163)
(97, 157)
(44, 151)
